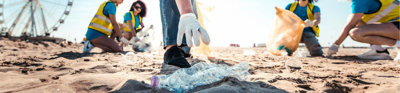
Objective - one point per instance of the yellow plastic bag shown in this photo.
(287, 32)
(204, 11)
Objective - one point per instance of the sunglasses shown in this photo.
(138, 7)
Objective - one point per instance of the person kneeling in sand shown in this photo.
(132, 22)
(101, 27)
(310, 14)
(375, 22)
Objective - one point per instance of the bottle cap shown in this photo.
(154, 81)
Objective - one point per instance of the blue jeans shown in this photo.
(311, 42)
(170, 19)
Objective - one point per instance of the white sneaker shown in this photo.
(397, 58)
(372, 54)
(87, 47)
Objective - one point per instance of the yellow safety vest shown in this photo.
(389, 12)
(126, 26)
(310, 15)
(100, 22)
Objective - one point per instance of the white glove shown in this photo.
(189, 26)
(333, 49)
(309, 23)
(124, 40)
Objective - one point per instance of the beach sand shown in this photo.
(45, 67)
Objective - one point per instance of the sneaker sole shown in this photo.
(376, 57)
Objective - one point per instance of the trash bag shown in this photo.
(144, 44)
(205, 10)
(287, 32)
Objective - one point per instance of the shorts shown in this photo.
(93, 34)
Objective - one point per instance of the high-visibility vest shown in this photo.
(126, 26)
(310, 15)
(389, 12)
(100, 22)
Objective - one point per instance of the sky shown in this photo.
(243, 22)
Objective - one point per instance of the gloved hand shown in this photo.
(309, 23)
(124, 41)
(192, 29)
(333, 49)
(135, 39)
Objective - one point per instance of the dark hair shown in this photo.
(310, 1)
(143, 12)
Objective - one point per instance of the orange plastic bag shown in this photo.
(287, 32)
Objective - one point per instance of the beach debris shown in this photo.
(25, 70)
(40, 69)
(129, 58)
(144, 41)
(42, 80)
(86, 59)
(293, 63)
(199, 74)
(55, 77)
(301, 52)
(141, 46)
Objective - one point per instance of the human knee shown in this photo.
(116, 49)
(356, 34)
(315, 47)
(315, 50)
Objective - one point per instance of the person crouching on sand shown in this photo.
(375, 22)
(133, 21)
(101, 27)
(310, 14)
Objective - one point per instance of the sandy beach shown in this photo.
(45, 67)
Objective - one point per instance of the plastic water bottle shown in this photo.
(301, 52)
(129, 58)
(199, 74)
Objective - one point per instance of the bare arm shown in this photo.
(184, 6)
(352, 21)
(130, 26)
(317, 17)
(141, 24)
(115, 25)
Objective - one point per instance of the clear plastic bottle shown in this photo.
(129, 58)
(199, 74)
(301, 52)
(293, 63)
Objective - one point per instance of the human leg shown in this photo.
(107, 44)
(376, 34)
(312, 43)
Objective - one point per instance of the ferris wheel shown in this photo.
(32, 17)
